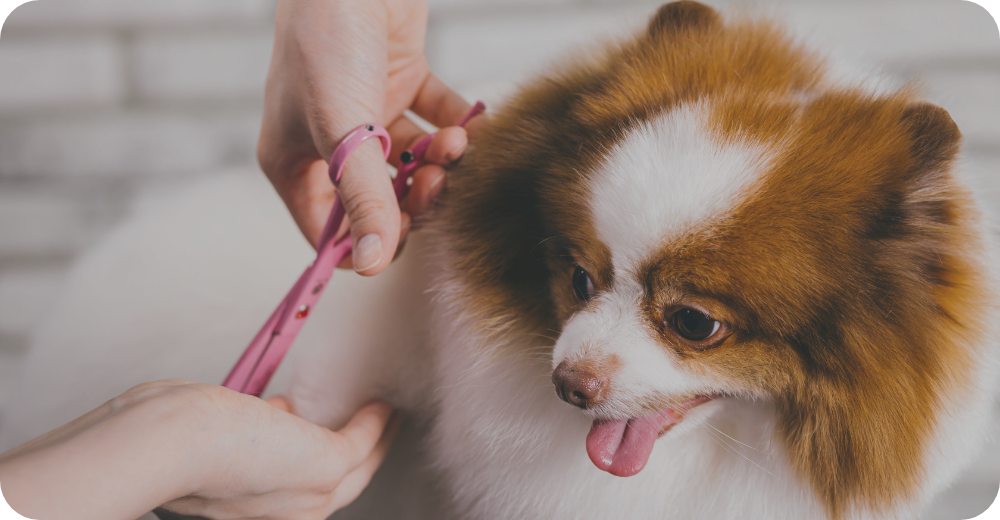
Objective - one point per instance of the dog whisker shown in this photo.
(732, 439)
(741, 454)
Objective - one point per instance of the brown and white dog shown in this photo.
(763, 289)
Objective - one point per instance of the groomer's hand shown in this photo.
(199, 449)
(338, 64)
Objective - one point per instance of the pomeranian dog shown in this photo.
(757, 289)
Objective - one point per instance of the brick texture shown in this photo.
(204, 65)
(130, 14)
(60, 73)
(46, 222)
(139, 142)
(25, 296)
(972, 97)
(898, 31)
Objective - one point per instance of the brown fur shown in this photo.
(847, 277)
(842, 281)
(602, 367)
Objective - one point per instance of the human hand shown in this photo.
(336, 65)
(202, 450)
(265, 462)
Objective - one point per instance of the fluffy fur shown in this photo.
(702, 164)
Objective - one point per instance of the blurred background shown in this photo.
(108, 105)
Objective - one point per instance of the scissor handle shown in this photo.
(261, 358)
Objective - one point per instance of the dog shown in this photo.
(696, 275)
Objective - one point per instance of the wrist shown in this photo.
(174, 427)
(120, 460)
(191, 423)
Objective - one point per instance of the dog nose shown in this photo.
(578, 387)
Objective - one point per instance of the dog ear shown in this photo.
(917, 199)
(676, 16)
(934, 136)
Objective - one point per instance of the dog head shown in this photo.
(702, 214)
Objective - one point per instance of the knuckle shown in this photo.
(266, 160)
(365, 206)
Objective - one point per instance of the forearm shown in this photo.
(109, 464)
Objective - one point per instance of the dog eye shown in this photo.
(583, 286)
(693, 325)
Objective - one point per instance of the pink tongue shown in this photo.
(622, 447)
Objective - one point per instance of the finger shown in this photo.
(319, 88)
(438, 104)
(428, 182)
(280, 402)
(357, 480)
(405, 134)
(367, 194)
(448, 145)
(354, 442)
(405, 223)
(309, 198)
(345, 89)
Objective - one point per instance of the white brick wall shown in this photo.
(132, 14)
(138, 142)
(439, 6)
(58, 73)
(25, 295)
(509, 47)
(899, 31)
(972, 97)
(39, 225)
(103, 99)
(205, 65)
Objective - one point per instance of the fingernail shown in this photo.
(368, 252)
(455, 153)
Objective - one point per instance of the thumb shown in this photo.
(367, 194)
(340, 52)
(360, 437)
(280, 402)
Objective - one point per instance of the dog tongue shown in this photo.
(622, 447)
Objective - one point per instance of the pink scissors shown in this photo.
(255, 367)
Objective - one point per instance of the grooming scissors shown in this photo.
(255, 367)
